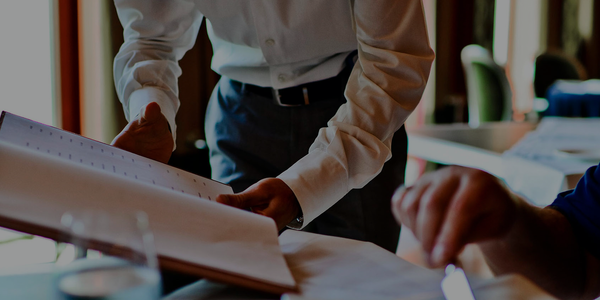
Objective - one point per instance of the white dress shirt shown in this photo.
(281, 44)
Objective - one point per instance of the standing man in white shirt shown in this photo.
(312, 93)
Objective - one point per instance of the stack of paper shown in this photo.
(538, 164)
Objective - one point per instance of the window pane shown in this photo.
(25, 59)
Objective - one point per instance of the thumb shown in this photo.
(242, 200)
(151, 113)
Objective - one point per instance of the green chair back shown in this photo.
(489, 97)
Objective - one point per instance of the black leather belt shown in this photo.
(312, 92)
(303, 94)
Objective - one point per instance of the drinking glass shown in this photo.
(127, 267)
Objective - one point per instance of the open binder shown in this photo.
(46, 171)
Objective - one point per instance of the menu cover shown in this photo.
(46, 171)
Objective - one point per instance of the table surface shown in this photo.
(494, 136)
(483, 148)
(460, 144)
(19, 287)
(324, 267)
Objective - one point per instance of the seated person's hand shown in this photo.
(148, 135)
(452, 207)
(269, 197)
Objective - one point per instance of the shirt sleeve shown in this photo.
(386, 84)
(156, 36)
(581, 206)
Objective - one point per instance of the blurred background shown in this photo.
(56, 62)
(495, 61)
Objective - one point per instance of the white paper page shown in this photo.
(537, 182)
(78, 149)
(37, 189)
(328, 267)
(554, 134)
(512, 286)
(456, 285)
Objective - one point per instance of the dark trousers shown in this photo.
(251, 138)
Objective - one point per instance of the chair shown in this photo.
(574, 98)
(489, 97)
(554, 65)
(558, 84)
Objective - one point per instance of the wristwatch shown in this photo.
(297, 222)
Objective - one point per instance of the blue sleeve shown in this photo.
(581, 207)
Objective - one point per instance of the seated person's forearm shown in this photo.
(541, 246)
(454, 206)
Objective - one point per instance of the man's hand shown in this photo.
(452, 207)
(148, 135)
(269, 197)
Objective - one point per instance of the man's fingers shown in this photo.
(235, 200)
(461, 215)
(245, 199)
(274, 212)
(148, 135)
(409, 206)
(397, 201)
(270, 197)
(432, 211)
(453, 207)
(225, 199)
(497, 217)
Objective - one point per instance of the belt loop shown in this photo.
(305, 93)
(277, 99)
(276, 96)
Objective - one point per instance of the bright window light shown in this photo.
(26, 90)
(525, 45)
(586, 18)
(501, 31)
(25, 59)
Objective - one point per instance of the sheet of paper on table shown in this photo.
(334, 268)
(331, 268)
(538, 166)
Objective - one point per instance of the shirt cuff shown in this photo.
(142, 97)
(318, 181)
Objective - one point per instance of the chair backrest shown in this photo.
(554, 65)
(489, 96)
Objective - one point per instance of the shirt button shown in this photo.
(281, 77)
(270, 42)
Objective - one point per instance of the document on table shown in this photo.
(328, 267)
(332, 268)
(456, 285)
(538, 165)
(562, 143)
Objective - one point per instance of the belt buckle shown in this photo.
(277, 98)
